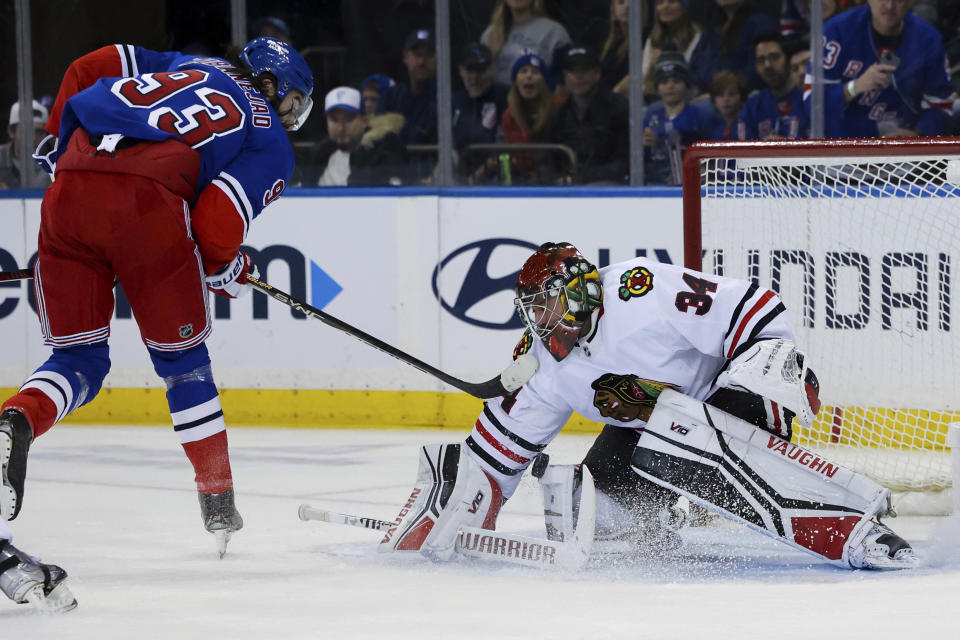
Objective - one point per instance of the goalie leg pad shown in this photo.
(451, 491)
(730, 467)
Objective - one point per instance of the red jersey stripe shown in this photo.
(764, 299)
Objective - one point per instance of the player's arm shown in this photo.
(220, 220)
(111, 61)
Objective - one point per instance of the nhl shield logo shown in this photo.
(186, 331)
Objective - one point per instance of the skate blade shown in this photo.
(223, 537)
(58, 601)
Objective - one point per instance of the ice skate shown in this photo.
(24, 579)
(220, 517)
(881, 548)
(15, 438)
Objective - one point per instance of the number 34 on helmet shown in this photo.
(269, 55)
(559, 296)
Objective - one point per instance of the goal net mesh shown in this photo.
(863, 252)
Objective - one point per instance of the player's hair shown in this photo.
(726, 78)
(501, 21)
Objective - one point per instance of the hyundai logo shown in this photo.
(476, 277)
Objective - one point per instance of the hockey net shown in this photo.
(862, 241)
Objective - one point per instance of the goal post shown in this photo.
(861, 239)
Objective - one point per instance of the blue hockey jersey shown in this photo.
(764, 114)
(673, 136)
(918, 95)
(243, 146)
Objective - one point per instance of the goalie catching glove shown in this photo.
(451, 492)
(777, 371)
(229, 281)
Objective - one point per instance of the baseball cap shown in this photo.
(476, 56)
(419, 37)
(40, 114)
(346, 98)
(671, 64)
(579, 56)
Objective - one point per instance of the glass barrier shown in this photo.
(521, 74)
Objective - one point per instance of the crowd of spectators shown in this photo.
(533, 105)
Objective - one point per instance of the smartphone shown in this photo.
(889, 57)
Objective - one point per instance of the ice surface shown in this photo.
(117, 508)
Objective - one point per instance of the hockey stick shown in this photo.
(499, 546)
(22, 274)
(512, 378)
(477, 543)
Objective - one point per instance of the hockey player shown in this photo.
(162, 161)
(635, 346)
(885, 74)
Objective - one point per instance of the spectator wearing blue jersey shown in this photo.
(884, 73)
(776, 112)
(672, 124)
(728, 91)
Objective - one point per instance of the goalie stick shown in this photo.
(512, 378)
(498, 546)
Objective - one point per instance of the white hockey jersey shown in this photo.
(660, 326)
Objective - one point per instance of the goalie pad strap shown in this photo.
(729, 467)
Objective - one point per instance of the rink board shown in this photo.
(430, 272)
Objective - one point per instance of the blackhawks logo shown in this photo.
(626, 398)
(524, 345)
(635, 283)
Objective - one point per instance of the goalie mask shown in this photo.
(558, 292)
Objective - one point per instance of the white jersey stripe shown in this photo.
(234, 191)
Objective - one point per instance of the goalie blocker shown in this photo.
(729, 467)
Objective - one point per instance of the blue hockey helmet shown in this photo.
(269, 55)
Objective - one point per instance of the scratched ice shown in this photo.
(116, 507)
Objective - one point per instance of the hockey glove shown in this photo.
(45, 154)
(229, 281)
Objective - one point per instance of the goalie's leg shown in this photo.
(634, 516)
(451, 492)
(782, 490)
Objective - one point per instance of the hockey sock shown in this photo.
(211, 462)
(69, 379)
(197, 415)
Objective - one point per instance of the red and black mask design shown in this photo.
(558, 292)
